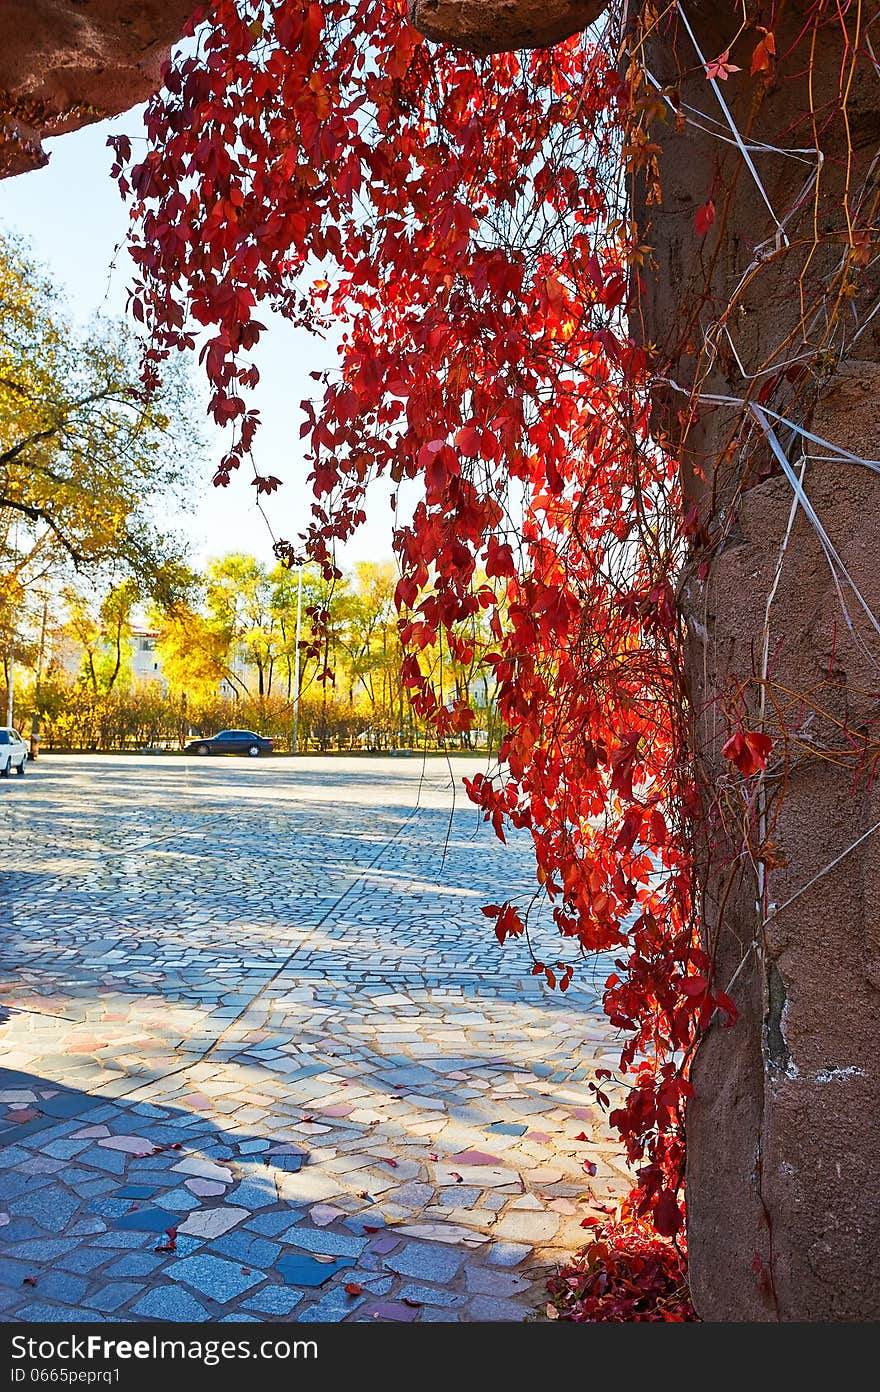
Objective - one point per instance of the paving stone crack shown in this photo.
(309, 937)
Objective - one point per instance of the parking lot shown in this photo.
(264, 1058)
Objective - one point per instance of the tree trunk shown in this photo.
(783, 1188)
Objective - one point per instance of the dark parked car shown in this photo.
(232, 742)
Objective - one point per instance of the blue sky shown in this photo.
(73, 217)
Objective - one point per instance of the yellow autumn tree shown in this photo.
(85, 453)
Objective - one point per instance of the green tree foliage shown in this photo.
(240, 603)
(103, 632)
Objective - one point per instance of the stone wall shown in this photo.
(783, 1200)
(66, 63)
(782, 1186)
(491, 26)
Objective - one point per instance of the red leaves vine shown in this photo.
(464, 219)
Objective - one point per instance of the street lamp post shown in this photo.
(299, 593)
(35, 720)
(10, 673)
(10, 647)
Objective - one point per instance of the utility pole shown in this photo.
(10, 679)
(10, 649)
(35, 720)
(299, 595)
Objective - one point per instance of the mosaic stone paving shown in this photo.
(262, 1058)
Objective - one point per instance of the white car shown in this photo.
(13, 752)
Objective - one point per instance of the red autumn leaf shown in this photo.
(589, 1166)
(658, 827)
(704, 217)
(582, 1136)
(721, 67)
(353, 1288)
(508, 924)
(749, 750)
(694, 986)
(171, 1244)
(266, 483)
(667, 1214)
(724, 1003)
(764, 53)
(468, 439)
(29, 1281)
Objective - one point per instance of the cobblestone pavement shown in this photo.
(263, 1058)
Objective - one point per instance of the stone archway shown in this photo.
(783, 1188)
(65, 64)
